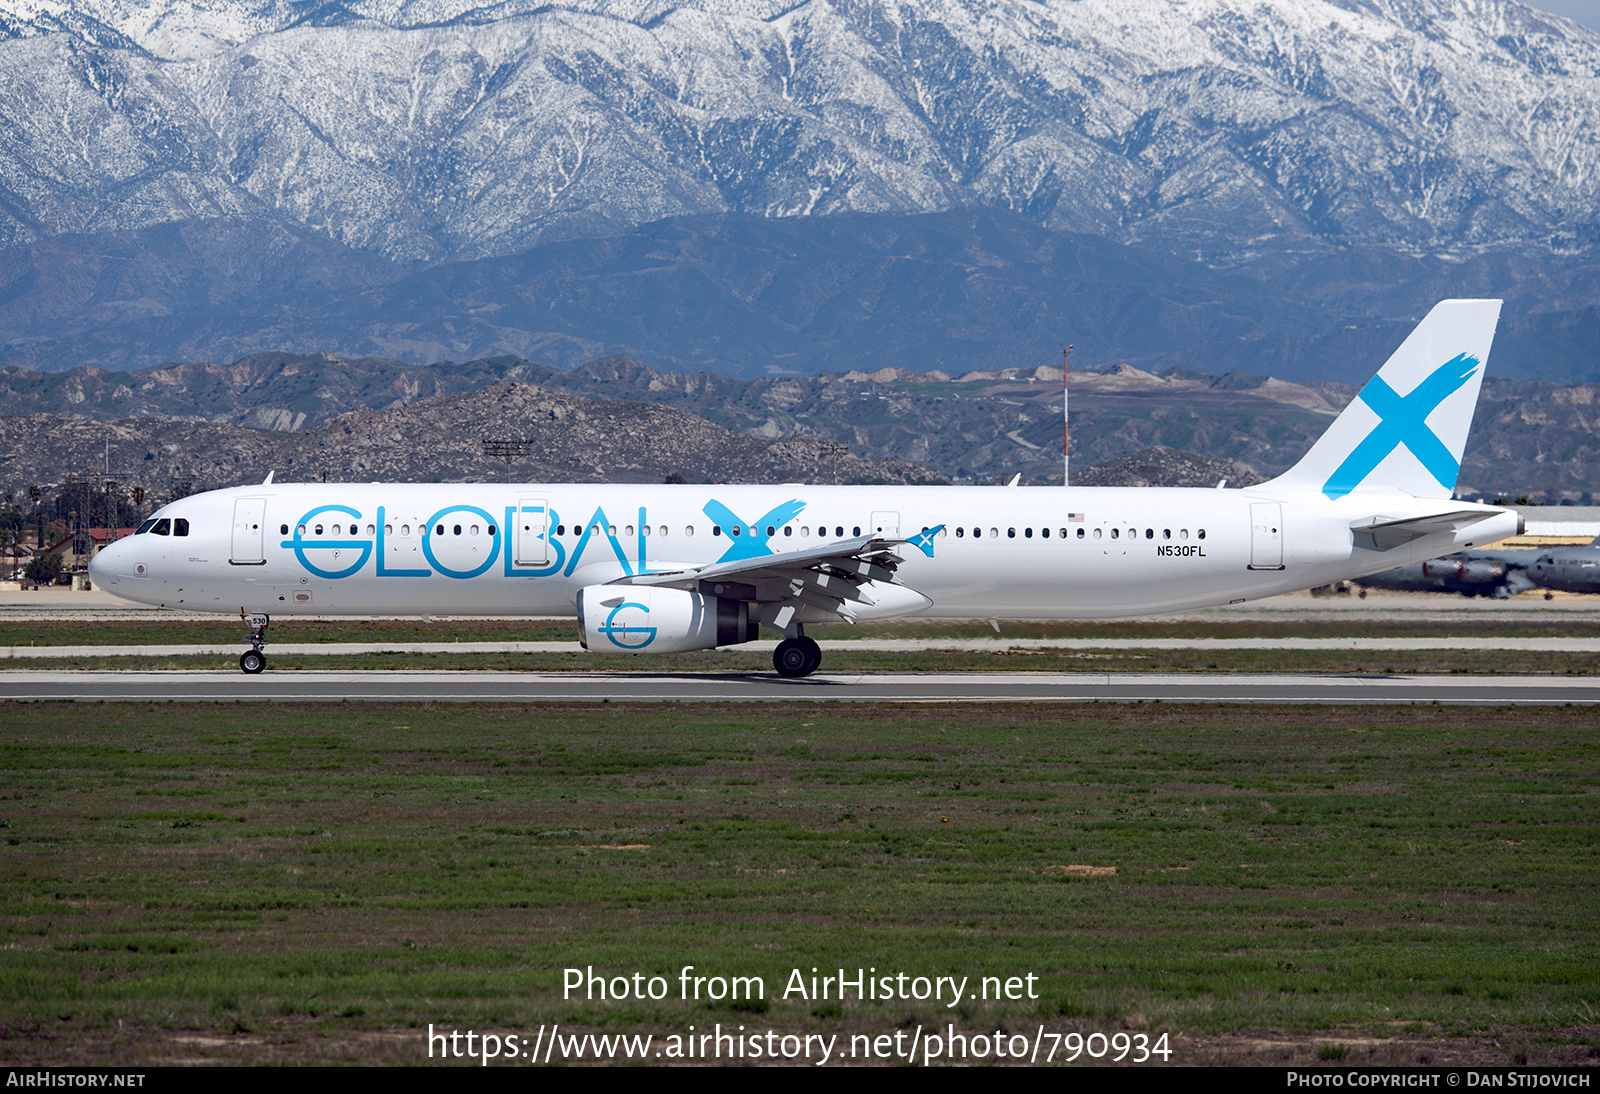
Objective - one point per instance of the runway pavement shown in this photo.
(844, 645)
(734, 687)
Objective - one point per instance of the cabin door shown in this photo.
(1266, 536)
(532, 532)
(248, 534)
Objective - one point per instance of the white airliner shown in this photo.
(662, 569)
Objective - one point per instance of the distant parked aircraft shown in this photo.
(1499, 574)
(1569, 569)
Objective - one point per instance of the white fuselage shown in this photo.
(526, 549)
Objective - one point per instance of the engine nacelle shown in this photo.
(645, 619)
(1448, 569)
(1482, 571)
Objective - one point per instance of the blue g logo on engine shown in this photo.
(618, 633)
(300, 545)
(431, 531)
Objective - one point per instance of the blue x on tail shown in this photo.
(1404, 421)
(1410, 444)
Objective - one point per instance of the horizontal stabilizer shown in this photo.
(1384, 533)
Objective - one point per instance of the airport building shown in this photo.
(1555, 526)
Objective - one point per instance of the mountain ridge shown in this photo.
(552, 437)
(1224, 129)
(1531, 436)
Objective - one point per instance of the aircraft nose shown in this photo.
(98, 568)
(104, 566)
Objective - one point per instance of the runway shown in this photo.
(225, 686)
(764, 648)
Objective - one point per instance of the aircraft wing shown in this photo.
(829, 577)
(1385, 533)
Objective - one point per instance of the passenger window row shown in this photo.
(804, 530)
(388, 530)
(180, 527)
(1096, 533)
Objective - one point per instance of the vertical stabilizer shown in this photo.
(1405, 431)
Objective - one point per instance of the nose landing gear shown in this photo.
(254, 660)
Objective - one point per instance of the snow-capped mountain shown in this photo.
(438, 129)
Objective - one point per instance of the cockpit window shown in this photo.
(163, 527)
(180, 527)
(146, 526)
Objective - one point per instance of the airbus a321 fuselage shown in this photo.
(661, 569)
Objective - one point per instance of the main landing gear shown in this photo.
(253, 660)
(796, 657)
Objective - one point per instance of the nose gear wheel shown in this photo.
(254, 659)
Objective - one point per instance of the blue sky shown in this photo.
(1586, 12)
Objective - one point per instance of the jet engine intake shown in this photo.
(646, 619)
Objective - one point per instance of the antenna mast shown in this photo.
(1066, 425)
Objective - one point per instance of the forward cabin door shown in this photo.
(248, 534)
(1266, 535)
(532, 531)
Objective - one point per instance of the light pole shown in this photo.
(505, 449)
(834, 451)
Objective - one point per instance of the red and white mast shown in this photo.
(1066, 425)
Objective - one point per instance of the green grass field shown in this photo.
(321, 883)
